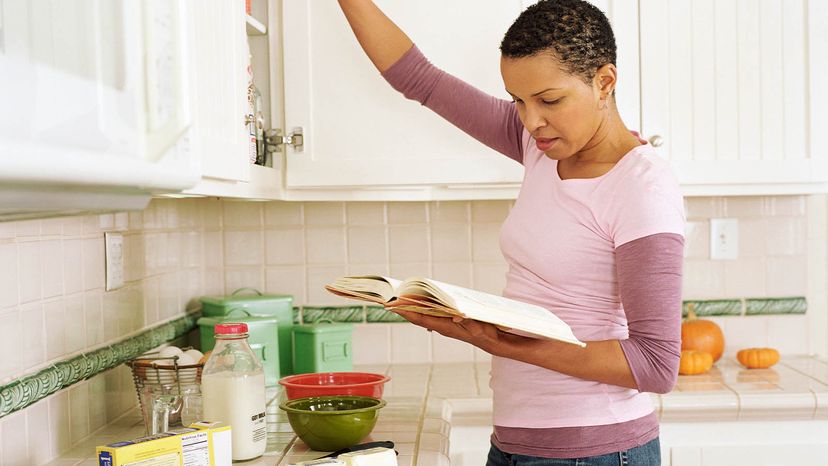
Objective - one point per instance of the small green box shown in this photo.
(263, 338)
(258, 304)
(322, 347)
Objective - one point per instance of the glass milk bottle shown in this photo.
(233, 390)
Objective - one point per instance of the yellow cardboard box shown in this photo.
(201, 444)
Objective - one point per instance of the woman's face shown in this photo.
(557, 108)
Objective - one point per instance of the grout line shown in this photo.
(421, 420)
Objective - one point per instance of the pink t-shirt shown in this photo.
(559, 241)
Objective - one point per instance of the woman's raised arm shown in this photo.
(380, 38)
(492, 121)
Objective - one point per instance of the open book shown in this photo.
(439, 299)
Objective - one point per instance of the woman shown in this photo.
(596, 235)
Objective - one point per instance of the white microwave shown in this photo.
(94, 112)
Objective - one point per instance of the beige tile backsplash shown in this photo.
(53, 302)
(177, 250)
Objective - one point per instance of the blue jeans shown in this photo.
(648, 454)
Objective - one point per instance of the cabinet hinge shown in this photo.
(274, 140)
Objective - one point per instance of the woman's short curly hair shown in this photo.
(577, 34)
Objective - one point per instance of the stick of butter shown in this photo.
(370, 457)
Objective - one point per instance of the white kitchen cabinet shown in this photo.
(94, 105)
(730, 90)
(358, 132)
(362, 135)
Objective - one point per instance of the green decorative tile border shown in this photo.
(25, 391)
(702, 308)
(769, 306)
(378, 314)
(352, 314)
(713, 307)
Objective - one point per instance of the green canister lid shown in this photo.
(237, 299)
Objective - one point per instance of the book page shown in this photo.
(428, 305)
(425, 287)
(507, 312)
(374, 288)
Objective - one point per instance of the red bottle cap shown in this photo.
(231, 328)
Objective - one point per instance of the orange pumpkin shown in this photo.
(758, 358)
(695, 362)
(702, 335)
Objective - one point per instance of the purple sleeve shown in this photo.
(492, 121)
(649, 282)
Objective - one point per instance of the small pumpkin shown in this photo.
(701, 335)
(695, 362)
(758, 358)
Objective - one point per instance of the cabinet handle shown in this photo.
(656, 140)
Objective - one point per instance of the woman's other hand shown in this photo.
(480, 334)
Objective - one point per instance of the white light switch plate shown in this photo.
(724, 238)
(114, 251)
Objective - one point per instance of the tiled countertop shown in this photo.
(423, 401)
(794, 389)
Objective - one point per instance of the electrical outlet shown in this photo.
(724, 238)
(114, 252)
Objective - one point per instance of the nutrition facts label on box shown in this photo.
(196, 449)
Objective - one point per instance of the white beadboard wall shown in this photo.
(53, 303)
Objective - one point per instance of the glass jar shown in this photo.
(233, 390)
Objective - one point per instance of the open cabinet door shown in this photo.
(357, 130)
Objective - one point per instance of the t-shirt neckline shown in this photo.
(599, 177)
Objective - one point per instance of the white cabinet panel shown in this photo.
(725, 83)
(359, 131)
(94, 96)
(219, 56)
(817, 56)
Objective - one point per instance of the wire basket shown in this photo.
(161, 380)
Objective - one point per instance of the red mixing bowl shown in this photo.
(334, 383)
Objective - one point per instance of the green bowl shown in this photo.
(328, 423)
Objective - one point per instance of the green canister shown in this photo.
(322, 347)
(258, 304)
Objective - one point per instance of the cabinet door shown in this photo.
(219, 57)
(725, 86)
(358, 131)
